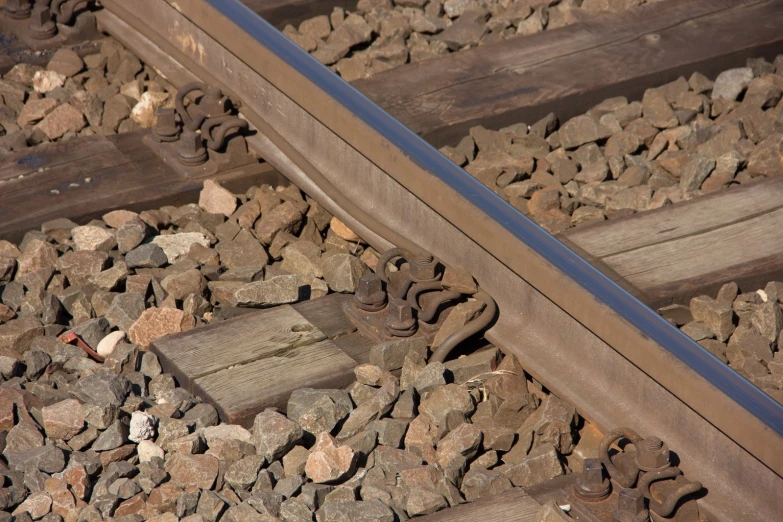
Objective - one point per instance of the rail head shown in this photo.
(238, 50)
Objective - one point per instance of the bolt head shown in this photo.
(191, 151)
(41, 14)
(214, 103)
(591, 485)
(400, 320)
(166, 124)
(18, 9)
(370, 295)
(166, 116)
(630, 506)
(423, 268)
(594, 471)
(652, 454)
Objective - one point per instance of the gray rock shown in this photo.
(390, 355)
(181, 285)
(277, 290)
(478, 483)
(242, 250)
(274, 434)
(467, 30)
(36, 362)
(541, 464)
(92, 331)
(768, 320)
(343, 271)
(244, 274)
(109, 279)
(423, 502)
(730, 84)
(746, 341)
(242, 474)
(48, 459)
(80, 266)
(202, 415)
(283, 218)
(112, 438)
(355, 511)
(103, 390)
(318, 410)
(432, 376)
(295, 510)
(131, 234)
(289, 486)
(146, 256)
(715, 315)
(694, 171)
(657, 110)
(580, 130)
(377, 405)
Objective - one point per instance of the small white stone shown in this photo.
(93, 238)
(109, 343)
(227, 432)
(46, 81)
(142, 426)
(763, 295)
(145, 112)
(148, 450)
(177, 245)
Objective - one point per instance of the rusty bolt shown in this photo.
(166, 128)
(400, 321)
(630, 507)
(214, 104)
(653, 454)
(42, 26)
(18, 9)
(591, 485)
(422, 268)
(191, 152)
(370, 295)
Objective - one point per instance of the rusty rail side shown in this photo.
(576, 331)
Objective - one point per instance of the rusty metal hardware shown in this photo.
(621, 469)
(591, 485)
(203, 137)
(475, 326)
(48, 24)
(191, 151)
(423, 268)
(630, 507)
(646, 472)
(166, 128)
(214, 130)
(64, 10)
(18, 9)
(213, 104)
(370, 295)
(418, 303)
(652, 455)
(669, 497)
(400, 320)
(41, 26)
(434, 303)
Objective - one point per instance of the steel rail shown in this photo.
(574, 329)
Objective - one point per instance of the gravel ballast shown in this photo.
(689, 137)
(382, 34)
(744, 329)
(105, 93)
(85, 439)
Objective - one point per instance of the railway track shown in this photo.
(572, 328)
